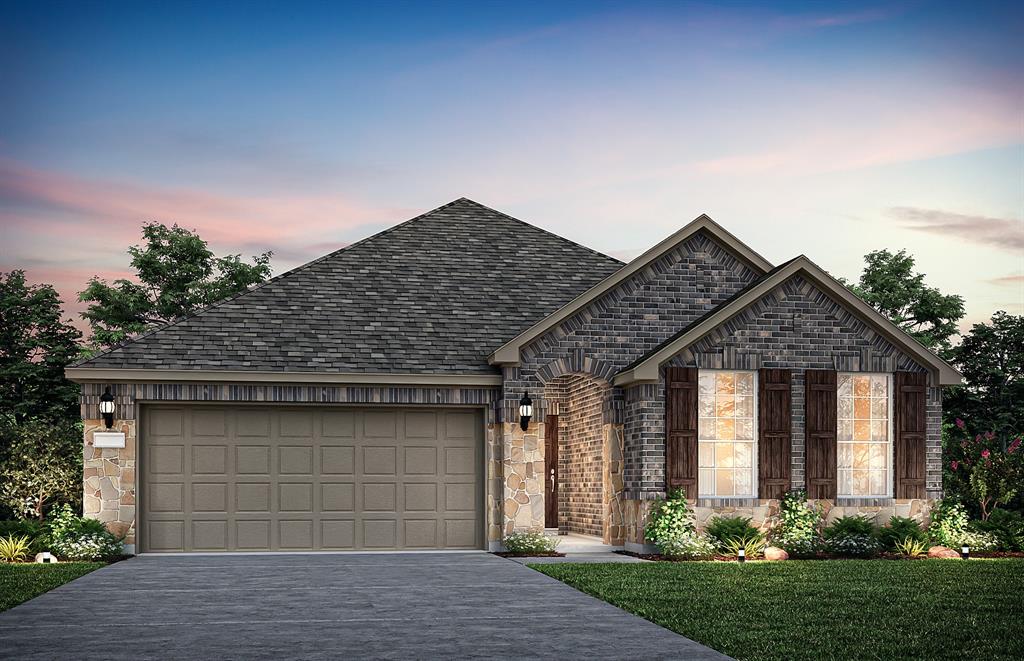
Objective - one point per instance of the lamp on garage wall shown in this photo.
(525, 411)
(107, 408)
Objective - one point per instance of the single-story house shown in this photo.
(371, 399)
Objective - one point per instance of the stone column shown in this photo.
(523, 471)
(109, 480)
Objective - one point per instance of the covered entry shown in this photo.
(303, 478)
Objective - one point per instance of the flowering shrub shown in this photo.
(530, 542)
(799, 528)
(77, 538)
(978, 540)
(853, 545)
(949, 523)
(669, 519)
(687, 545)
(992, 470)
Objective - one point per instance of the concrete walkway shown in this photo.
(406, 606)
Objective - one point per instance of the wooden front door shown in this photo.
(551, 471)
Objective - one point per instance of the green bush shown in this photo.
(799, 528)
(687, 545)
(849, 526)
(41, 468)
(669, 519)
(72, 537)
(14, 549)
(530, 542)
(853, 545)
(752, 544)
(949, 524)
(911, 546)
(34, 530)
(1006, 526)
(723, 529)
(898, 530)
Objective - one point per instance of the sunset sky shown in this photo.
(825, 129)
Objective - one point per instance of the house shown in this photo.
(371, 398)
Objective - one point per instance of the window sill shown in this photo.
(731, 501)
(846, 501)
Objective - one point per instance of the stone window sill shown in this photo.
(865, 502)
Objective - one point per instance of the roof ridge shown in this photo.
(289, 272)
(541, 229)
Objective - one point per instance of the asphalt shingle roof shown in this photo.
(436, 294)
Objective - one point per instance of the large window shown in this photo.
(726, 434)
(864, 431)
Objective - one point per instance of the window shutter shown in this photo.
(681, 429)
(821, 411)
(910, 425)
(774, 432)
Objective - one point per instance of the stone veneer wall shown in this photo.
(109, 477)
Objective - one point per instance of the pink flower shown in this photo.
(989, 435)
(960, 423)
(1013, 446)
(954, 465)
(985, 454)
(977, 439)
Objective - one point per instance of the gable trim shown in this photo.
(508, 354)
(93, 375)
(646, 369)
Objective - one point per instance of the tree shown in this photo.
(43, 466)
(177, 275)
(35, 346)
(890, 285)
(991, 358)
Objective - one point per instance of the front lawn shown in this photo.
(848, 609)
(20, 583)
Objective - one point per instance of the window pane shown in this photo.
(723, 455)
(878, 458)
(879, 386)
(724, 406)
(845, 385)
(743, 484)
(845, 482)
(707, 406)
(723, 483)
(744, 407)
(879, 430)
(877, 482)
(845, 457)
(861, 430)
(845, 408)
(706, 452)
(743, 456)
(707, 383)
(706, 428)
(861, 485)
(880, 408)
(862, 386)
(726, 429)
(725, 383)
(727, 433)
(861, 455)
(744, 430)
(706, 482)
(744, 383)
(861, 408)
(846, 430)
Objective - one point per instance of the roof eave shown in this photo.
(129, 375)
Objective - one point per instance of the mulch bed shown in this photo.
(549, 554)
(657, 557)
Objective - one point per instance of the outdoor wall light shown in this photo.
(107, 407)
(965, 551)
(525, 411)
(741, 555)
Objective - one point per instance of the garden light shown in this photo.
(965, 551)
(742, 555)
(107, 407)
(525, 411)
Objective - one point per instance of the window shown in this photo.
(726, 434)
(864, 432)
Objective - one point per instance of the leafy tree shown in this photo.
(177, 275)
(35, 345)
(42, 467)
(890, 284)
(991, 358)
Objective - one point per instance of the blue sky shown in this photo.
(829, 129)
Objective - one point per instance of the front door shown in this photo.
(551, 471)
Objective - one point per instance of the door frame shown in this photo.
(551, 476)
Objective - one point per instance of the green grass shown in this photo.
(850, 609)
(20, 583)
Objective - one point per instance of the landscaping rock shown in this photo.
(942, 552)
(775, 553)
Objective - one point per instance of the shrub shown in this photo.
(752, 545)
(76, 538)
(949, 524)
(991, 468)
(669, 518)
(530, 542)
(912, 546)
(1006, 526)
(14, 549)
(799, 528)
(687, 545)
(853, 545)
(42, 467)
(850, 526)
(723, 529)
(898, 530)
(979, 541)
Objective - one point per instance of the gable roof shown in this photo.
(432, 295)
(508, 354)
(647, 366)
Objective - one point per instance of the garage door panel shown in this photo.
(221, 478)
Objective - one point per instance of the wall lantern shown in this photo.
(965, 551)
(525, 411)
(107, 407)
(741, 555)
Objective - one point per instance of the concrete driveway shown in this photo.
(404, 605)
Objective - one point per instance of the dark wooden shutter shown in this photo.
(910, 424)
(774, 432)
(681, 429)
(820, 406)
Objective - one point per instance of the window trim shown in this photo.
(891, 461)
(755, 441)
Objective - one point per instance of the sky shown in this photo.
(827, 129)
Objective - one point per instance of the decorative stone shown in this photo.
(46, 558)
(775, 553)
(943, 552)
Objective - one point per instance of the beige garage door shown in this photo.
(244, 478)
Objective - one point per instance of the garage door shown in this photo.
(303, 478)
